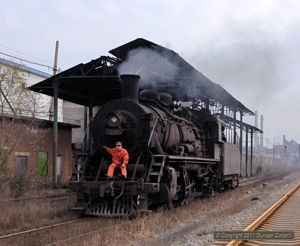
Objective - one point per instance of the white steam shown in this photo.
(151, 65)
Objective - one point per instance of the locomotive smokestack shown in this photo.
(130, 86)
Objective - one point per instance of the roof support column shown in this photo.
(241, 142)
(251, 153)
(85, 125)
(246, 151)
(90, 128)
(234, 127)
(88, 141)
(55, 131)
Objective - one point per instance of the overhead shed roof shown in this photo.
(93, 83)
(97, 81)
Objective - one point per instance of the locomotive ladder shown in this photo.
(156, 168)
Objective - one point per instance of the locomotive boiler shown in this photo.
(176, 154)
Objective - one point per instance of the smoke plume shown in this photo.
(153, 66)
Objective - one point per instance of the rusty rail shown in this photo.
(258, 223)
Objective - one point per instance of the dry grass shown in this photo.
(149, 229)
(27, 215)
(19, 213)
(23, 215)
(145, 230)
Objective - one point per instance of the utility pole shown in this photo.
(54, 110)
(51, 108)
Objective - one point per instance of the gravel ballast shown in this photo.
(257, 199)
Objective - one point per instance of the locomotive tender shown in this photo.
(176, 154)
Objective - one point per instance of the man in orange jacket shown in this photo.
(120, 158)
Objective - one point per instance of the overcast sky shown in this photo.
(251, 48)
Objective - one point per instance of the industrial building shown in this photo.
(27, 142)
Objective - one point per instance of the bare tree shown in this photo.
(16, 101)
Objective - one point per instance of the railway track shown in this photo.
(72, 232)
(64, 233)
(254, 181)
(18, 236)
(41, 199)
(279, 225)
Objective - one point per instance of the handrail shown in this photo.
(135, 167)
(99, 170)
(154, 126)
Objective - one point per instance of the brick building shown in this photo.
(26, 144)
(27, 151)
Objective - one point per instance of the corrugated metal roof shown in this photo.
(97, 81)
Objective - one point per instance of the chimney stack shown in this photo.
(130, 86)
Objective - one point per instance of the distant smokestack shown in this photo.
(130, 86)
(262, 129)
(256, 139)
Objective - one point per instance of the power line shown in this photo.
(15, 50)
(31, 62)
(24, 54)
(7, 30)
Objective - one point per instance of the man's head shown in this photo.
(118, 145)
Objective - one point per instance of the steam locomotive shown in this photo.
(176, 154)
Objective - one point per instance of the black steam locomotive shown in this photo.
(176, 154)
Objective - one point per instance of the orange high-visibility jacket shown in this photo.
(119, 158)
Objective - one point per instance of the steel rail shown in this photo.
(259, 221)
(27, 232)
(72, 240)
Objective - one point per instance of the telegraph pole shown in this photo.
(51, 108)
(54, 111)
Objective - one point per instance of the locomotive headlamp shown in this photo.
(114, 119)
